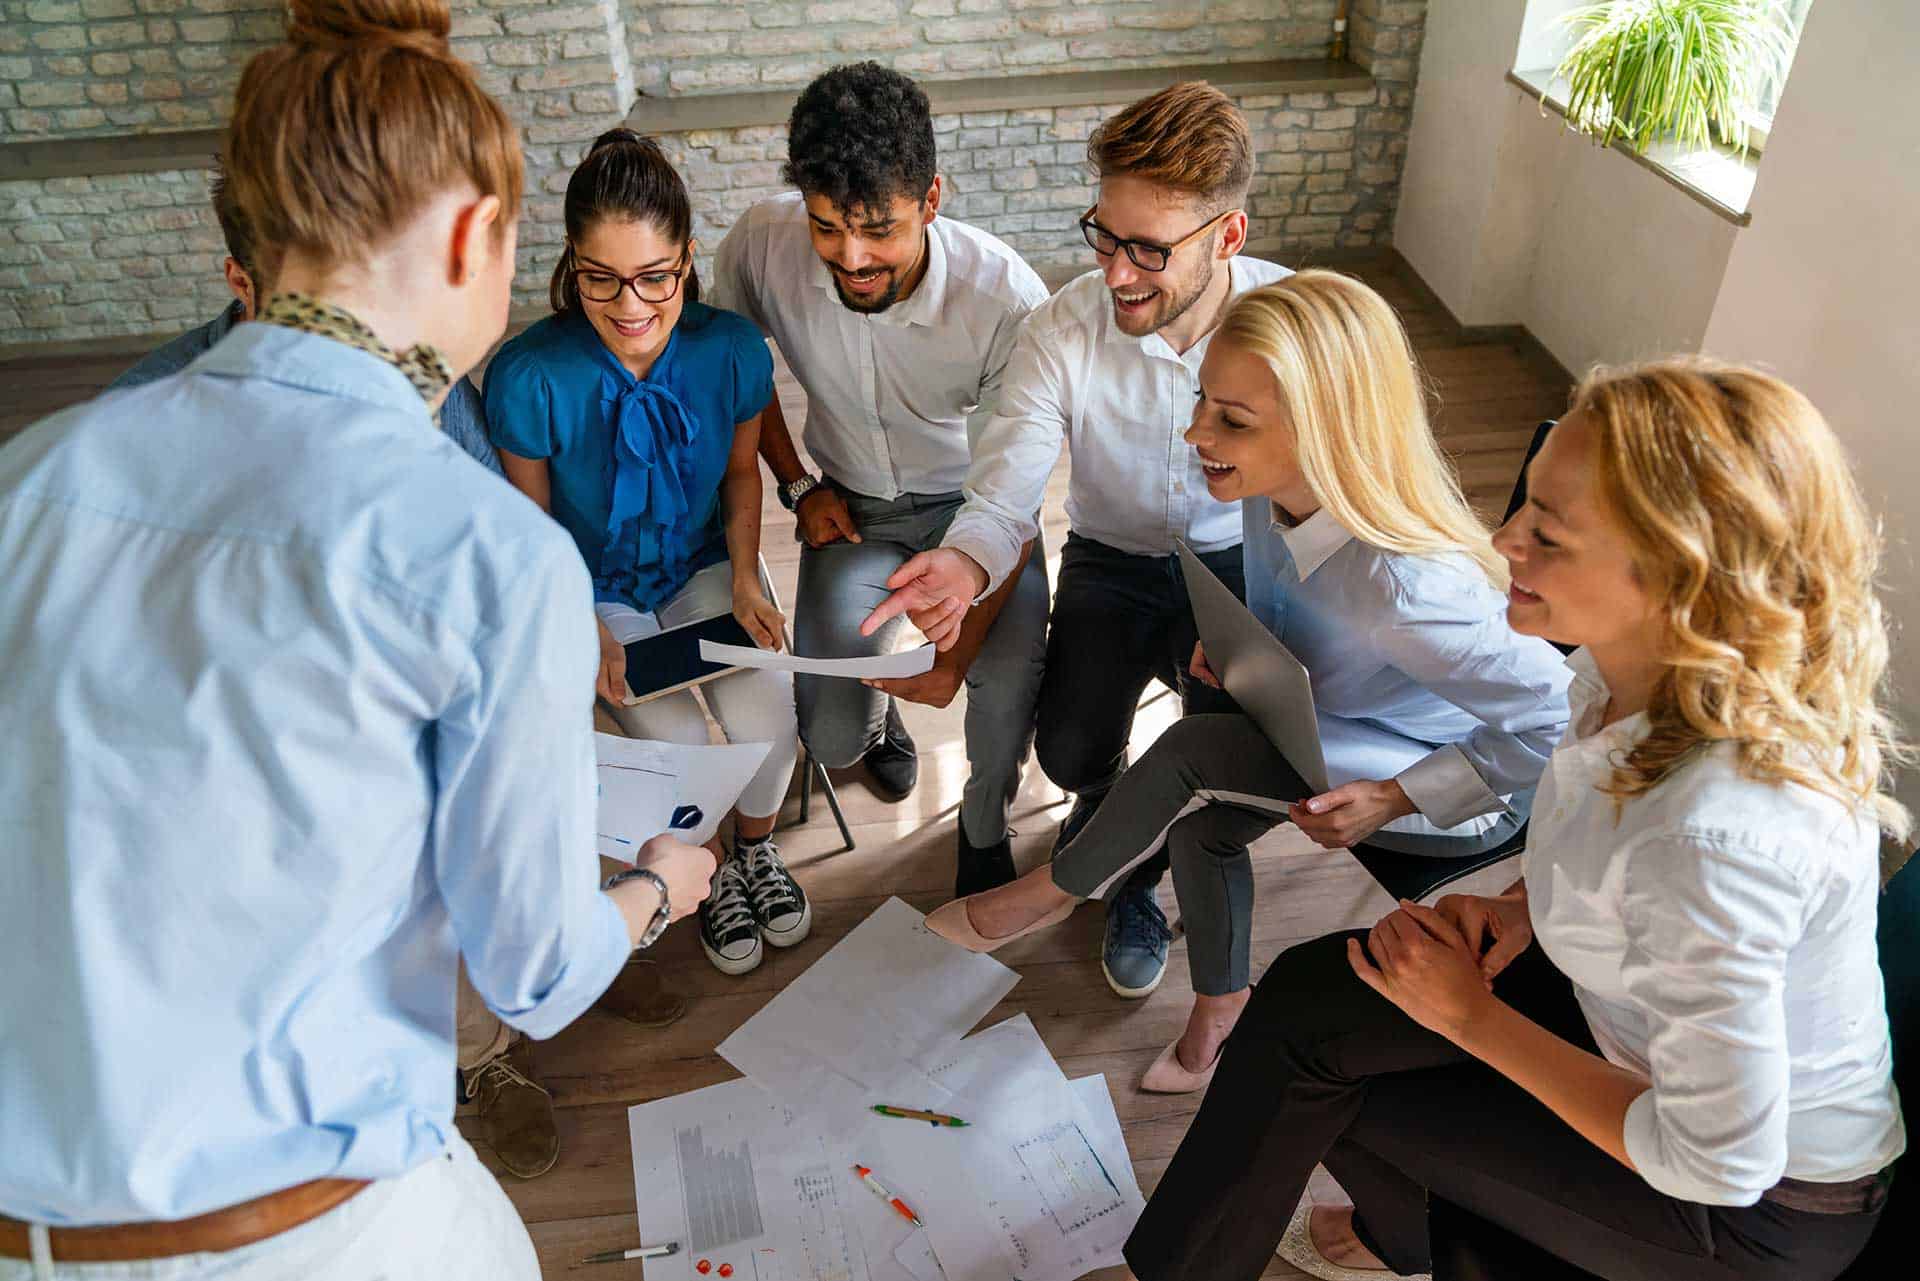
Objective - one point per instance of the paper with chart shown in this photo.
(648, 787)
(740, 1181)
(908, 662)
(1046, 1189)
(864, 1023)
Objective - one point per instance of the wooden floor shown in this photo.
(1490, 396)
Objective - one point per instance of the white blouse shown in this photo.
(1719, 933)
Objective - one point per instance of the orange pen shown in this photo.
(880, 1190)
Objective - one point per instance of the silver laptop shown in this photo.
(1263, 676)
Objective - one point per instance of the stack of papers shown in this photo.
(757, 1174)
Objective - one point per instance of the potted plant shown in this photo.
(1688, 71)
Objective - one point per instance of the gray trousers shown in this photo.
(841, 583)
(1208, 788)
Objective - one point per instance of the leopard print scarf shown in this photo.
(423, 366)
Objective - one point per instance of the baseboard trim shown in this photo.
(1472, 335)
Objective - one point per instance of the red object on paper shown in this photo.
(703, 1267)
(726, 1269)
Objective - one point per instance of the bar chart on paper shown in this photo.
(723, 1207)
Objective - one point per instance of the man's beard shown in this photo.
(869, 306)
(1174, 305)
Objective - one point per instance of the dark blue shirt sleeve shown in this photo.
(752, 374)
(518, 407)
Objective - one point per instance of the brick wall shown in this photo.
(139, 254)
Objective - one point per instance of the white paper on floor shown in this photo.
(1040, 1186)
(864, 1023)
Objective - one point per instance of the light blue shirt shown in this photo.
(1416, 675)
(300, 702)
(461, 416)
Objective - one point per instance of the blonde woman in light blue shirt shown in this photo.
(1363, 557)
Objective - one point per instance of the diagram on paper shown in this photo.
(1068, 1180)
(732, 1175)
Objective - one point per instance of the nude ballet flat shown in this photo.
(1297, 1248)
(950, 922)
(1167, 1076)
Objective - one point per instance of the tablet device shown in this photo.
(668, 661)
(1264, 677)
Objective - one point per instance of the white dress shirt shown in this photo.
(1719, 932)
(1416, 675)
(893, 399)
(1122, 406)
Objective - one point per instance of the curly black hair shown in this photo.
(861, 135)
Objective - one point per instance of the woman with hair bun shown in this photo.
(633, 415)
(1663, 1052)
(308, 695)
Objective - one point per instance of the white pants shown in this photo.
(445, 1219)
(752, 705)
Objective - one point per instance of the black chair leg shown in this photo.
(807, 765)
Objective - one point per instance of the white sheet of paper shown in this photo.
(908, 662)
(916, 1256)
(863, 1023)
(648, 787)
(1047, 1191)
(739, 1180)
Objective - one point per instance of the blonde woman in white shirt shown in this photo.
(1689, 1076)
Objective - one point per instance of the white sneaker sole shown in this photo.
(745, 965)
(1131, 993)
(792, 934)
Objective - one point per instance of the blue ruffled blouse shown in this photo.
(636, 463)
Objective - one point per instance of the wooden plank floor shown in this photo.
(1489, 398)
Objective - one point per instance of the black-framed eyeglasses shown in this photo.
(1145, 256)
(597, 284)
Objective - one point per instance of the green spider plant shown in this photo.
(1686, 70)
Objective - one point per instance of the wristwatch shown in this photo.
(661, 914)
(794, 490)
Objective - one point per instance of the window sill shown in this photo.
(1719, 178)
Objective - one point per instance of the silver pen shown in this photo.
(640, 1252)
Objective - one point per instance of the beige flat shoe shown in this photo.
(1167, 1076)
(1297, 1248)
(950, 922)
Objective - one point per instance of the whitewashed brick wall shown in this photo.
(139, 254)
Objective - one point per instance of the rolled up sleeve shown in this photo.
(1709, 928)
(1011, 457)
(513, 840)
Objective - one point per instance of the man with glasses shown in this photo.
(897, 322)
(1110, 366)
(460, 416)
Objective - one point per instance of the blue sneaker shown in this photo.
(1134, 956)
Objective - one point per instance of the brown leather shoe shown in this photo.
(516, 1111)
(639, 996)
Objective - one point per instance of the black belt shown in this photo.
(1863, 1195)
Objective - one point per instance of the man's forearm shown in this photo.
(776, 445)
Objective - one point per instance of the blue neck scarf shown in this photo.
(650, 467)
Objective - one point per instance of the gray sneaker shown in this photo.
(1134, 956)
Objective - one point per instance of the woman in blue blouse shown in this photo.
(632, 415)
(1362, 556)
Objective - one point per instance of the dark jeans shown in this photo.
(1451, 1166)
(1119, 620)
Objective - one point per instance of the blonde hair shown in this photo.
(342, 133)
(1749, 533)
(1355, 402)
(1188, 136)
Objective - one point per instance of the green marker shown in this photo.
(915, 1114)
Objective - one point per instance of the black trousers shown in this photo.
(1450, 1165)
(1119, 620)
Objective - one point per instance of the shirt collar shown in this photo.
(222, 324)
(1587, 701)
(1313, 541)
(312, 363)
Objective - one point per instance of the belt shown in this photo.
(218, 1230)
(1863, 1195)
